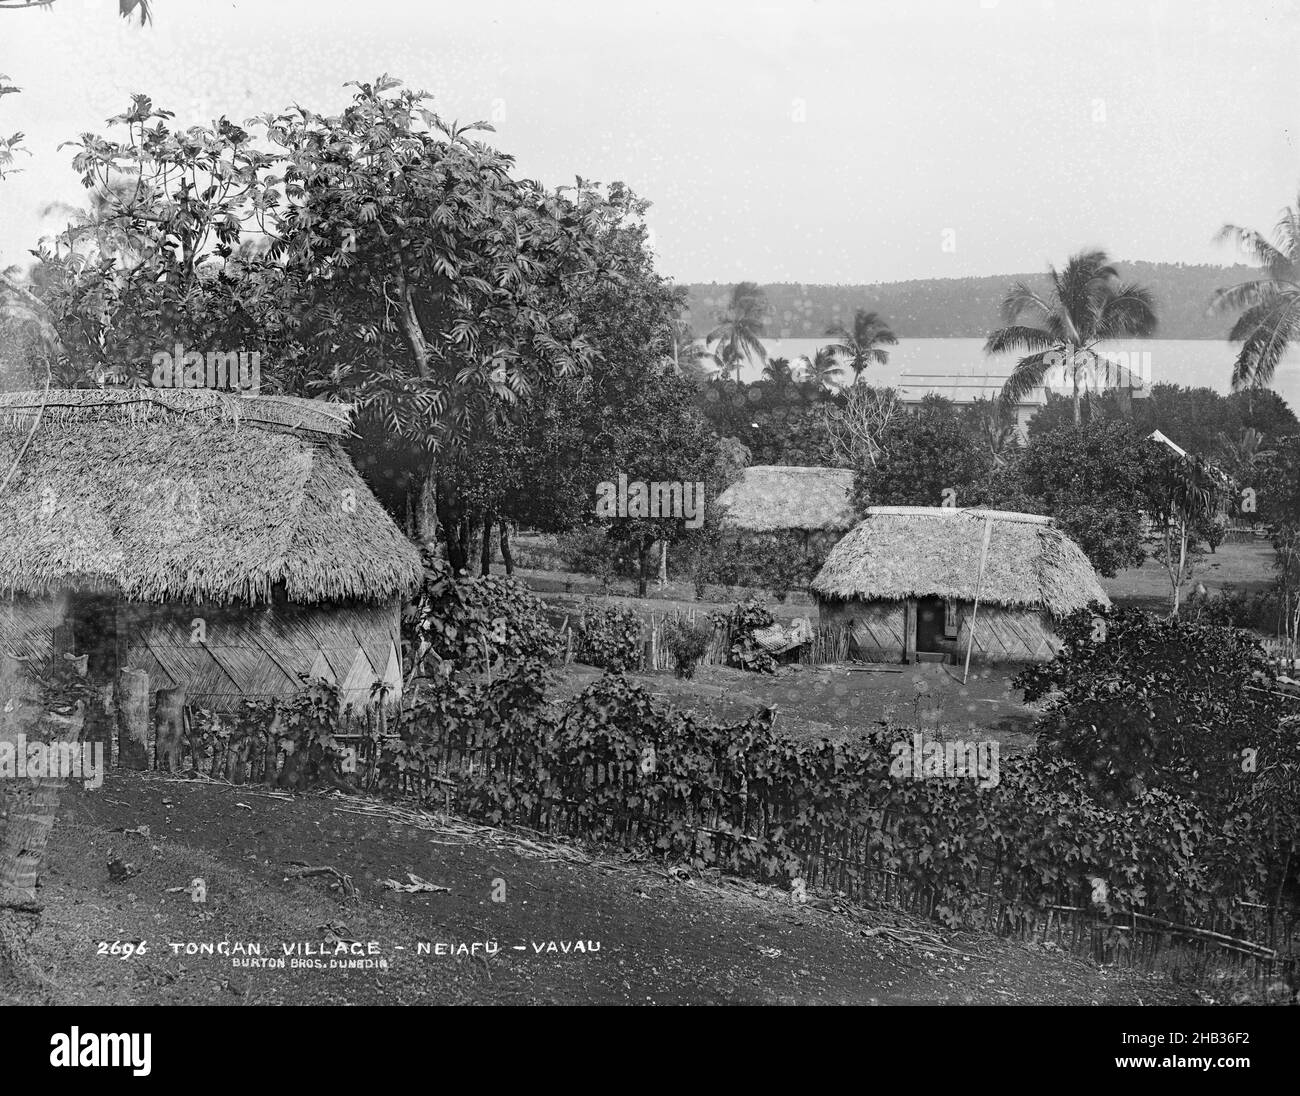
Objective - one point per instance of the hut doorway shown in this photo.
(930, 627)
(90, 628)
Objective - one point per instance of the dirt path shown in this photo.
(661, 940)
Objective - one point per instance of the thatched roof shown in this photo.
(899, 552)
(770, 497)
(191, 495)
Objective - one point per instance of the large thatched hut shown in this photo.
(904, 581)
(223, 544)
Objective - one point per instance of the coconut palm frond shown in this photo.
(1268, 331)
(127, 8)
(1236, 298)
(1124, 311)
(1019, 338)
(1025, 377)
(1256, 246)
(1018, 299)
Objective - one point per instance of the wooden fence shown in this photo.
(1258, 945)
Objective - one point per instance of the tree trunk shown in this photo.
(663, 564)
(28, 805)
(1182, 560)
(465, 536)
(169, 735)
(506, 557)
(133, 719)
(452, 524)
(485, 555)
(643, 568)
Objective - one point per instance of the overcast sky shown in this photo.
(790, 141)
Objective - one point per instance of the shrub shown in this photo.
(1257, 609)
(686, 642)
(743, 621)
(474, 622)
(1140, 701)
(609, 637)
(589, 551)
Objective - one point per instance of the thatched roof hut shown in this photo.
(770, 498)
(225, 544)
(905, 580)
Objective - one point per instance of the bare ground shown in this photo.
(663, 939)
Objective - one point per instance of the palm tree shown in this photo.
(739, 333)
(1269, 306)
(686, 353)
(859, 346)
(823, 366)
(1087, 304)
(778, 371)
(1246, 450)
(1188, 493)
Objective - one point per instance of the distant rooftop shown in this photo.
(961, 388)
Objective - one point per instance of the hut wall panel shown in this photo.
(247, 652)
(1007, 635)
(27, 624)
(877, 627)
(1001, 634)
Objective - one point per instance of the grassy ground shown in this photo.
(842, 702)
(664, 939)
(1247, 566)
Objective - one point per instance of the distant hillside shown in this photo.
(968, 307)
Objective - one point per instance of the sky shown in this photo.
(802, 141)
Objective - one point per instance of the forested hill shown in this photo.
(968, 307)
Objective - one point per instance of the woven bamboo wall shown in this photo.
(1008, 635)
(257, 654)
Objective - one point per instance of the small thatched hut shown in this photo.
(785, 519)
(904, 581)
(772, 498)
(223, 544)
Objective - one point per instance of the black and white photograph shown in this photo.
(558, 504)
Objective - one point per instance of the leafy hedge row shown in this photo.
(614, 765)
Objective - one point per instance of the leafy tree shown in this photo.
(1279, 506)
(1197, 419)
(1269, 307)
(657, 436)
(1091, 479)
(861, 346)
(404, 269)
(1140, 702)
(1087, 304)
(928, 459)
(740, 327)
